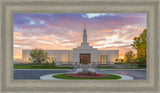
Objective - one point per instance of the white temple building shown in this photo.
(83, 54)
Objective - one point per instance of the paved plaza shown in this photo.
(136, 74)
(37, 73)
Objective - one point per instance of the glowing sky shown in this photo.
(64, 31)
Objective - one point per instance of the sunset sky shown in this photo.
(64, 31)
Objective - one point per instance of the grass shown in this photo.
(39, 67)
(62, 76)
(51, 66)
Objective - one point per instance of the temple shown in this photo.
(83, 54)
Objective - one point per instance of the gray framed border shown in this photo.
(9, 8)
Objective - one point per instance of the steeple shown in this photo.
(84, 34)
(84, 26)
(85, 44)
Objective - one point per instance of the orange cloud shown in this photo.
(65, 32)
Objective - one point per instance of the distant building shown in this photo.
(83, 54)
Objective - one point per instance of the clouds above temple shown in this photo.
(93, 15)
(64, 31)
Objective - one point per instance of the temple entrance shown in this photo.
(85, 58)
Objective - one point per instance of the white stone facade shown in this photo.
(71, 56)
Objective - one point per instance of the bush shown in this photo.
(120, 63)
(140, 60)
(41, 66)
(105, 66)
(47, 62)
(141, 64)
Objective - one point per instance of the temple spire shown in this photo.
(84, 26)
(84, 34)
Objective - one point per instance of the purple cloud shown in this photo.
(64, 31)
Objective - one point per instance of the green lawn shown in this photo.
(39, 67)
(51, 66)
(62, 76)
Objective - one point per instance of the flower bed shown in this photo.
(106, 77)
(87, 76)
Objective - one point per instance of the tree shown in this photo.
(121, 60)
(116, 60)
(139, 44)
(53, 60)
(129, 56)
(38, 55)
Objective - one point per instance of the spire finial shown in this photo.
(84, 26)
